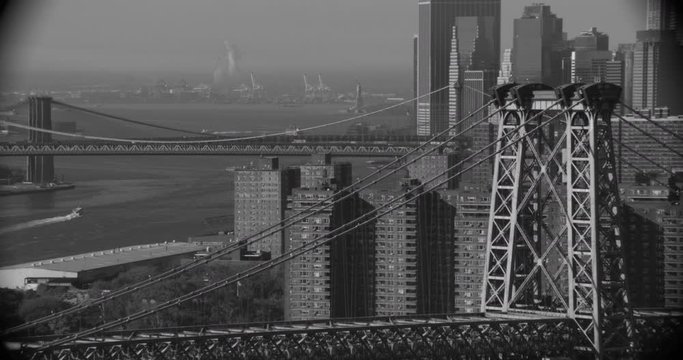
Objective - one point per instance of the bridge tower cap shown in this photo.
(600, 94)
(568, 92)
(500, 93)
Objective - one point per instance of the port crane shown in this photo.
(256, 93)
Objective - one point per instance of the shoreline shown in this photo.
(7, 190)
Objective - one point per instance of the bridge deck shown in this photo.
(70, 149)
(292, 328)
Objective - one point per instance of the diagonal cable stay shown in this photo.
(265, 232)
(368, 217)
(656, 124)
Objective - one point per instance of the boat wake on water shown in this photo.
(74, 214)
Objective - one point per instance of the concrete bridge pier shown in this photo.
(40, 169)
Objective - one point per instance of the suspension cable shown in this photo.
(661, 127)
(210, 141)
(643, 156)
(130, 121)
(14, 106)
(273, 229)
(476, 90)
(660, 142)
(314, 244)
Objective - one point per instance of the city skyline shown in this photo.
(75, 34)
(539, 218)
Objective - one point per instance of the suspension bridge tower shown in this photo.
(40, 169)
(554, 243)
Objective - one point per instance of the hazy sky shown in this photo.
(188, 35)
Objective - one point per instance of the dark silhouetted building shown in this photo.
(261, 192)
(652, 242)
(665, 15)
(477, 21)
(537, 39)
(657, 72)
(644, 256)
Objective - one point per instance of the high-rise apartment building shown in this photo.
(537, 41)
(435, 165)
(654, 242)
(320, 171)
(413, 252)
(261, 192)
(636, 140)
(470, 230)
(336, 279)
(474, 95)
(478, 25)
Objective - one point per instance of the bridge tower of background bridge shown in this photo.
(554, 242)
(40, 169)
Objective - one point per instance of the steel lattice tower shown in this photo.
(554, 228)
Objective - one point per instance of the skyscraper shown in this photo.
(665, 15)
(474, 95)
(261, 192)
(591, 53)
(415, 93)
(615, 74)
(537, 39)
(454, 91)
(475, 19)
(657, 72)
(625, 54)
(505, 73)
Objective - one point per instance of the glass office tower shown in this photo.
(478, 24)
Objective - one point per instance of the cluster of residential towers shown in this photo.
(427, 256)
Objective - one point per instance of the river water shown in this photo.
(148, 199)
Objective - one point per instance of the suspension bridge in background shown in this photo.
(40, 147)
(554, 283)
